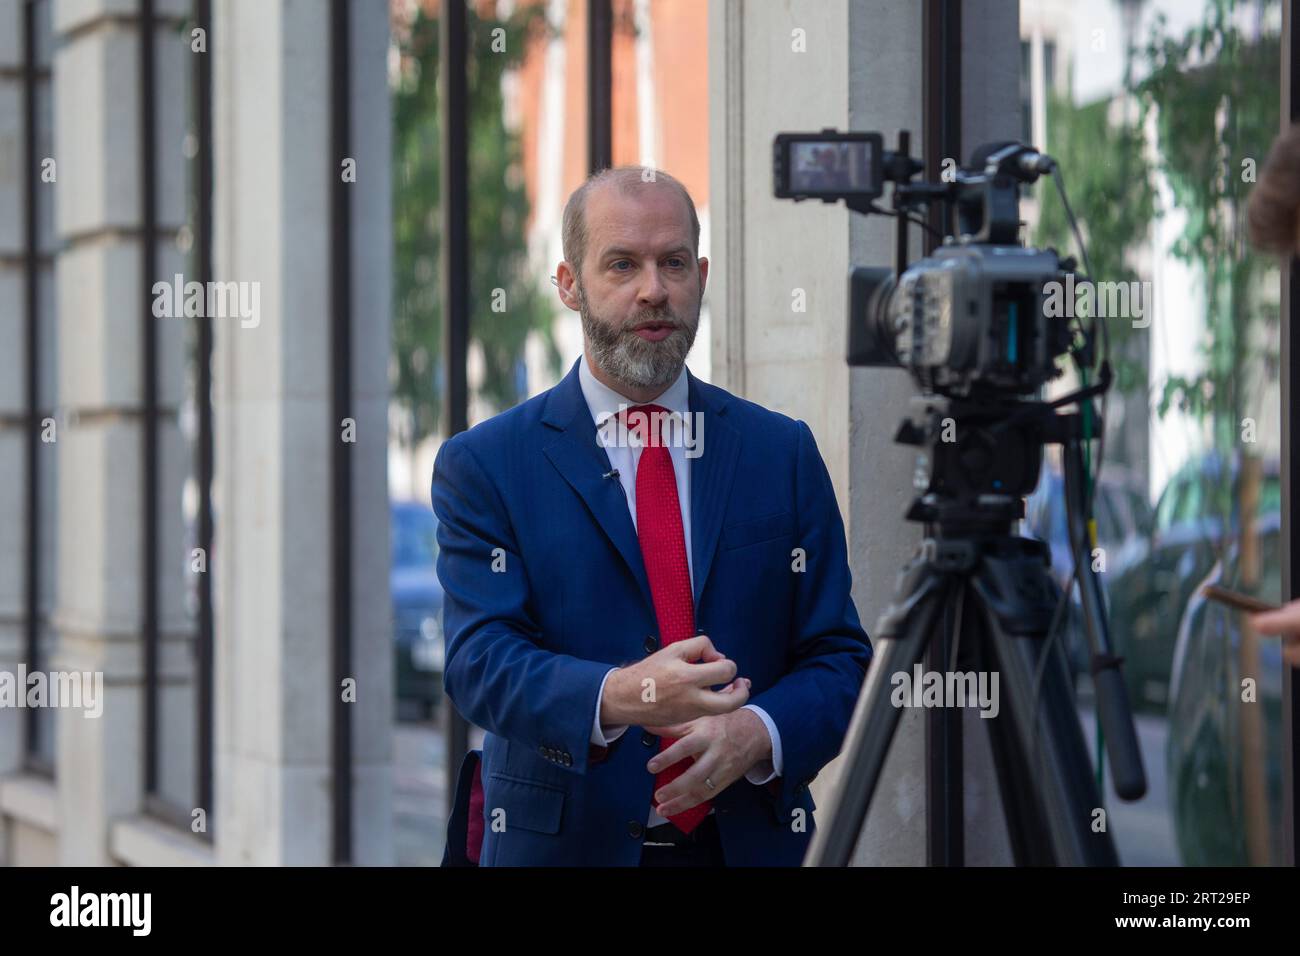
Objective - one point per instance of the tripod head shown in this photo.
(978, 460)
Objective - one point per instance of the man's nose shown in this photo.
(653, 290)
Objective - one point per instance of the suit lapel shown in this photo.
(578, 457)
(581, 461)
(711, 477)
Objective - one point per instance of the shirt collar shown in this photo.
(603, 401)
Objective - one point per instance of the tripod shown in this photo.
(979, 598)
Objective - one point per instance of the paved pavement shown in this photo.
(1143, 830)
(420, 790)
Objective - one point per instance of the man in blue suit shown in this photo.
(647, 587)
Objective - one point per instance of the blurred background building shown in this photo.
(220, 501)
(660, 117)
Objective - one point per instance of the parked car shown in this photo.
(1215, 786)
(1195, 517)
(1123, 517)
(417, 595)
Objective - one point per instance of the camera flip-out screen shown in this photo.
(826, 165)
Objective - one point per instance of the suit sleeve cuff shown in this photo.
(766, 770)
(604, 736)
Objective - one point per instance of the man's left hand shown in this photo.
(725, 747)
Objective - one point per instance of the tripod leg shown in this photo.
(1044, 771)
(904, 633)
(945, 831)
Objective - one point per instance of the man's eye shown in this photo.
(677, 262)
(621, 262)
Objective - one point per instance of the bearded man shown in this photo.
(647, 586)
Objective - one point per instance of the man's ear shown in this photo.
(704, 274)
(564, 282)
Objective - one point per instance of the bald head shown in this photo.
(632, 270)
(627, 181)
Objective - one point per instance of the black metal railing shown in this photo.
(454, 264)
(34, 761)
(340, 253)
(148, 137)
(1290, 375)
(203, 408)
(600, 85)
(170, 807)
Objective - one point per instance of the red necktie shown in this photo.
(663, 548)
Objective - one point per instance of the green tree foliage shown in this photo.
(498, 210)
(1215, 91)
(1213, 96)
(1111, 188)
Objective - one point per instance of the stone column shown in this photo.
(780, 325)
(885, 44)
(990, 50)
(372, 256)
(275, 437)
(101, 304)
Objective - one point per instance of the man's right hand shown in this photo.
(672, 685)
(1285, 621)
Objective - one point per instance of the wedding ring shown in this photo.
(709, 783)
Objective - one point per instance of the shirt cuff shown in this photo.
(604, 736)
(766, 770)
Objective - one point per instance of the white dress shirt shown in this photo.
(603, 401)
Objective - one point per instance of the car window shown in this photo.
(1140, 509)
(1054, 516)
(1127, 514)
(1190, 504)
(1270, 497)
(1109, 525)
(1043, 518)
(415, 542)
(1168, 504)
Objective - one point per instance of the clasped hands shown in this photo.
(669, 695)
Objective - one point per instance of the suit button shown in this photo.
(634, 829)
(651, 644)
(568, 761)
(648, 739)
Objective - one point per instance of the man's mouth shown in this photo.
(654, 331)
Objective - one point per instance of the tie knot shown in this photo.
(639, 418)
(632, 412)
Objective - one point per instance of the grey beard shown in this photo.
(626, 357)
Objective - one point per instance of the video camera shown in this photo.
(968, 321)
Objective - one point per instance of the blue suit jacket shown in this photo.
(546, 589)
